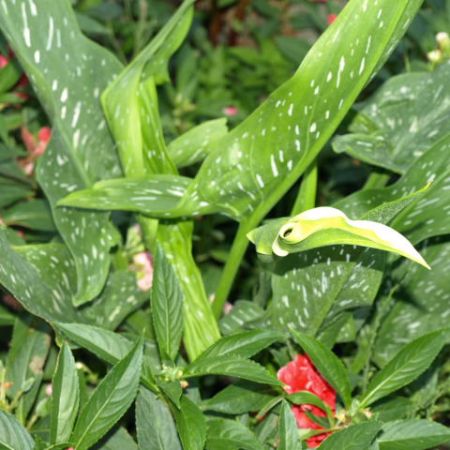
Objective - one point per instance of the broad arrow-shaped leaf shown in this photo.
(69, 72)
(255, 164)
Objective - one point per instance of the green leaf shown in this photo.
(34, 214)
(231, 366)
(401, 122)
(157, 193)
(238, 398)
(318, 96)
(307, 398)
(191, 425)
(284, 135)
(405, 367)
(39, 276)
(428, 216)
(25, 363)
(311, 287)
(154, 424)
(355, 437)
(225, 434)
(244, 345)
(110, 400)
(417, 434)
(166, 307)
(328, 364)
(143, 153)
(243, 314)
(194, 145)
(107, 345)
(119, 440)
(323, 226)
(65, 397)
(289, 438)
(12, 435)
(421, 302)
(46, 38)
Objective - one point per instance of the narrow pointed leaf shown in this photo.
(355, 437)
(191, 425)
(166, 307)
(417, 434)
(231, 366)
(405, 367)
(327, 363)
(65, 397)
(289, 438)
(110, 400)
(244, 345)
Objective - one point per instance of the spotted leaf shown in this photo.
(257, 162)
(402, 121)
(131, 107)
(424, 218)
(421, 302)
(68, 73)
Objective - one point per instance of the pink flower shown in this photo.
(331, 18)
(143, 263)
(49, 390)
(4, 61)
(231, 111)
(301, 375)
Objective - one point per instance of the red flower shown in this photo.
(301, 375)
(35, 147)
(331, 18)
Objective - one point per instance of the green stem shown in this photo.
(376, 180)
(241, 242)
(306, 197)
(231, 268)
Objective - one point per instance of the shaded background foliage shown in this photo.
(236, 54)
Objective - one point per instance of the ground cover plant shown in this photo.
(224, 225)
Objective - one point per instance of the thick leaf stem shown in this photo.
(306, 197)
